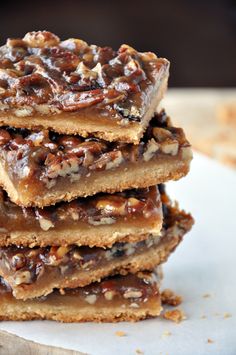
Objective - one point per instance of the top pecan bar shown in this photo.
(76, 88)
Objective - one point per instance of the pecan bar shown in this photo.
(36, 272)
(100, 220)
(74, 88)
(119, 298)
(41, 168)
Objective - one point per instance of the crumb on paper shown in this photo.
(175, 315)
(138, 351)
(227, 315)
(120, 333)
(165, 334)
(210, 341)
(203, 316)
(170, 298)
(206, 295)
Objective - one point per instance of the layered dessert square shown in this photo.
(34, 272)
(85, 221)
(119, 298)
(76, 88)
(39, 168)
(99, 220)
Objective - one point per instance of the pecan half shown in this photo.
(75, 101)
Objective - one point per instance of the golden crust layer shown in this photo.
(20, 312)
(96, 239)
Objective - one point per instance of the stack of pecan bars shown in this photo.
(84, 217)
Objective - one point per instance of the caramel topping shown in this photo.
(41, 73)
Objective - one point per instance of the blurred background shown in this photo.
(198, 36)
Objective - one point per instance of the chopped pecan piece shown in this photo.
(170, 298)
(175, 315)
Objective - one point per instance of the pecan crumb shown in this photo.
(120, 333)
(138, 351)
(206, 295)
(170, 298)
(175, 315)
(210, 341)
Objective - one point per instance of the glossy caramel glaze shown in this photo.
(41, 74)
